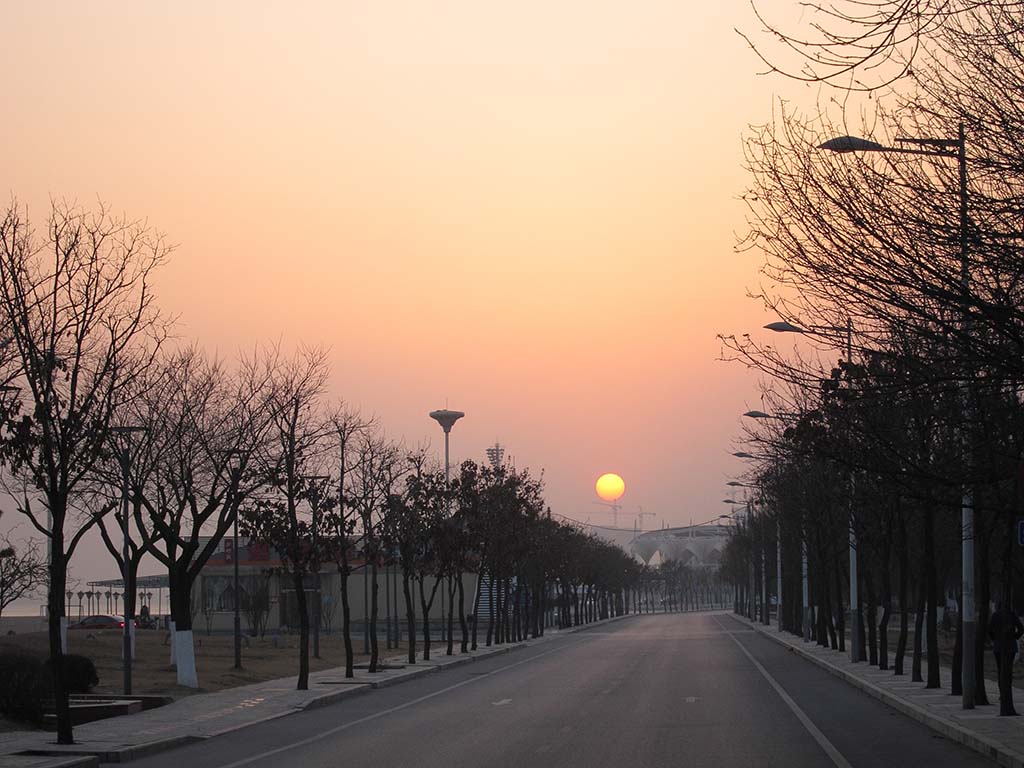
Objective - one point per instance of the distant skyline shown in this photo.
(525, 212)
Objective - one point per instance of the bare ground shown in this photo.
(152, 674)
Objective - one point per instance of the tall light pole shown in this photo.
(126, 447)
(447, 420)
(778, 558)
(954, 149)
(314, 503)
(752, 587)
(856, 618)
(237, 625)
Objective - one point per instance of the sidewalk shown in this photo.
(981, 729)
(203, 716)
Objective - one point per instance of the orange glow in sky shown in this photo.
(526, 211)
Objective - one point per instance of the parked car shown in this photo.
(100, 621)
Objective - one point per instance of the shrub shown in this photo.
(79, 673)
(25, 685)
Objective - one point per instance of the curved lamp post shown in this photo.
(954, 149)
(781, 326)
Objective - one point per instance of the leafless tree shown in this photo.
(209, 423)
(22, 571)
(297, 449)
(77, 306)
(340, 521)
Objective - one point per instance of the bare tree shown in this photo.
(22, 570)
(376, 470)
(297, 449)
(340, 521)
(77, 303)
(209, 423)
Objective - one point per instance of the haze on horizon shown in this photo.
(526, 213)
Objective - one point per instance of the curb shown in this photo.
(994, 750)
(123, 755)
(23, 760)
(146, 749)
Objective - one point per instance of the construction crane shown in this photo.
(641, 515)
(615, 510)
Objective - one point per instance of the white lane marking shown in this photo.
(383, 712)
(500, 703)
(823, 742)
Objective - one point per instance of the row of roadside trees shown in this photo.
(110, 424)
(902, 254)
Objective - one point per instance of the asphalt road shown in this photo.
(665, 690)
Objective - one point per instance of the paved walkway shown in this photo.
(1001, 738)
(203, 716)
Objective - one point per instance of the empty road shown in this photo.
(663, 690)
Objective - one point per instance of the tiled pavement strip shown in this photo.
(981, 729)
(202, 716)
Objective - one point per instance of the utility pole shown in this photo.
(129, 620)
(314, 502)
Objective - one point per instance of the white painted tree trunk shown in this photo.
(186, 654)
(174, 659)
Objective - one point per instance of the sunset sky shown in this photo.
(526, 211)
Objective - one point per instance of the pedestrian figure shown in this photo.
(1004, 620)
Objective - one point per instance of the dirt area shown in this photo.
(152, 673)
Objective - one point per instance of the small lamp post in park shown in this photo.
(126, 433)
(315, 482)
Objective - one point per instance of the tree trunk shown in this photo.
(915, 665)
(932, 590)
(55, 611)
(463, 627)
(859, 624)
(181, 612)
(872, 617)
(452, 587)
(410, 615)
(883, 627)
(300, 603)
(840, 613)
(426, 605)
(984, 595)
(904, 563)
(1006, 638)
(374, 606)
(346, 622)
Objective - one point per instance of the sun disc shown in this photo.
(610, 486)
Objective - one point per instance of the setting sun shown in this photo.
(610, 486)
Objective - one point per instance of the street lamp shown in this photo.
(857, 627)
(753, 586)
(228, 454)
(954, 149)
(447, 420)
(314, 493)
(126, 433)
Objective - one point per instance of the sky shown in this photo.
(525, 211)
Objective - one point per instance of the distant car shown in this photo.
(102, 621)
